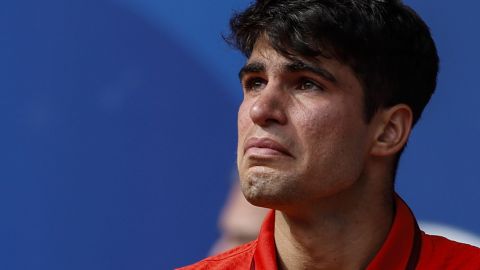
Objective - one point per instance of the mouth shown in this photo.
(264, 147)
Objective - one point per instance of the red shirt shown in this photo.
(405, 248)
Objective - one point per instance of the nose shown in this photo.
(269, 107)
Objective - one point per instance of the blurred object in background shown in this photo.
(239, 221)
(450, 232)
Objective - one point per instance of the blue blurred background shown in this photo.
(119, 130)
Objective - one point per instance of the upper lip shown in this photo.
(265, 143)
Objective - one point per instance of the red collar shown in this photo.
(399, 251)
(265, 256)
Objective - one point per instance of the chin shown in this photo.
(263, 200)
(265, 189)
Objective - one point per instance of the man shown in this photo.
(332, 89)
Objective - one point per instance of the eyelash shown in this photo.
(250, 83)
(313, 84)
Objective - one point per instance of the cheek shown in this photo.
(317, 125)
(243, 119)
(243, 125)
(333, 121)
(332, 136)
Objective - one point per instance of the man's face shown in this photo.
(301, 129)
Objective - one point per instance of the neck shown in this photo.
(344, 231)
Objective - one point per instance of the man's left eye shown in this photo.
(307, 84)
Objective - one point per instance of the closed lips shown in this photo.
(265, 143)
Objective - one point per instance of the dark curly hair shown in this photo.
(386, 43)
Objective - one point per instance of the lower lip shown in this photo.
(263, 152)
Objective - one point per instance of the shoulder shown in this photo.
(441, 253)
(237, 258)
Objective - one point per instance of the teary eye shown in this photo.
(254, 84)
(309, 84)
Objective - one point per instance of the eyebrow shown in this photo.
(294, 66)
(254, 67)
(299, 66)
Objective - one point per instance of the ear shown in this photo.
(393, 130)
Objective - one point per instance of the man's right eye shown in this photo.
(254, 84)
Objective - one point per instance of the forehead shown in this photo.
(264, 53)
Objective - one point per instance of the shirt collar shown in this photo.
(265, 256)
(399, 251)
(402, 246)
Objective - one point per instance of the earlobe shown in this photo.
(395, 124)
